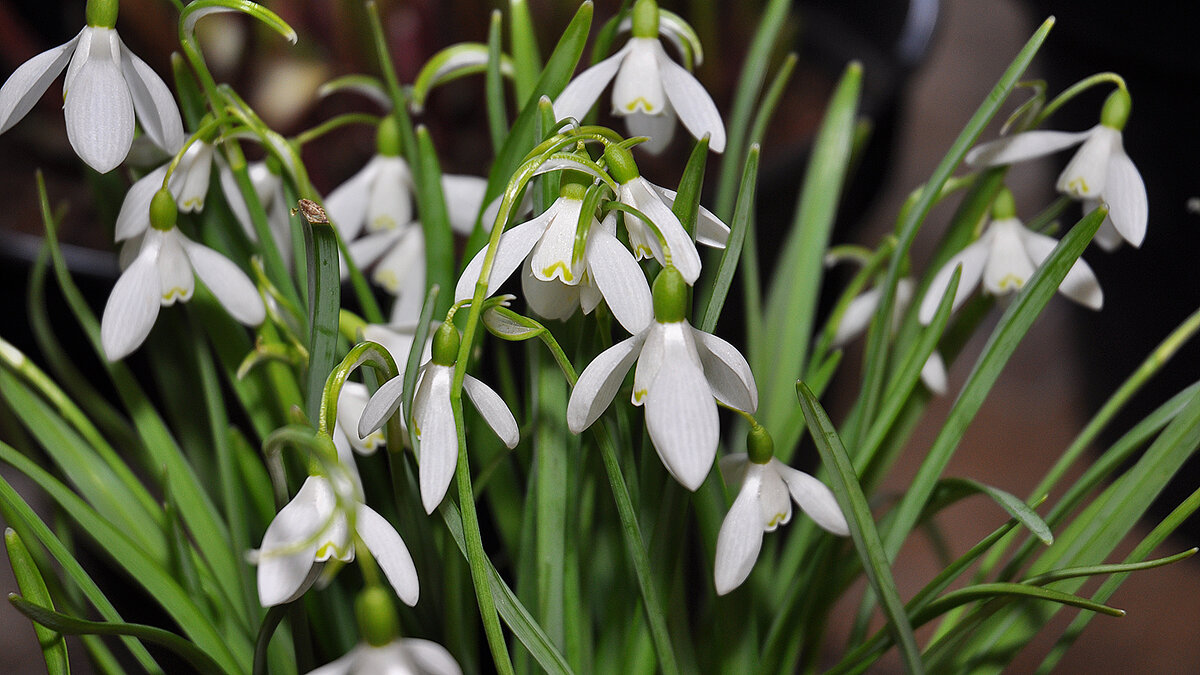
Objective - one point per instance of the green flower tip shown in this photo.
(377, 622)
(1004, 206)
(670, 296)
(102, 13)
(620, 163)
(163, 210)
(445, 344)
(1116, 109)
(759, 445)
(387, 137)
(645, 19)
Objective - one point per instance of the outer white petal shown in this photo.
(659, 128)
(402, 270)
(1023, 146)
(933, 374)
(740, 538)
(279, 220)
(654, 351)
(857, 317)
(1085, 174)
(433, 420)
(289, 545)
(1080, 284)
(684, 255)
(511, 251)
(132, 306)
(1008, 266)
(692, 103)
(189, 183)
(1107, 236)
(638, 86)
(156, 109)
(710, 230)
(342, 666)
(176, 278)
(494, 411)
(733, 468)
(233, 289)
(551, 255)
(774, 503)
(599, 382)
(28, 82)
(1126, 196)
(351, 403)
(814, 498)
(389, 550)
(464, 197)
(98, 108)
(134, 216)
(396, 339)
(727, 371)
(389, 199)
(382, 405)
(582, 92)
(972, 258)
(681, 413)
(429, 657)
(365, 251)
(234, 198)
(620, 279)
(549, 299)
(347, 203)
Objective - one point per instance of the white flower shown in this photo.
(378, 196)
(164, 272)
(432, 417)
(681, 374)
(1100, 170)
(554, 283)
(268, 186)
(106, 85)
(402, 656)
(650, 89)
(762, 505)
(314, 527)
(351, 402)
(655, 202)
(189, 184)
(1004, 258)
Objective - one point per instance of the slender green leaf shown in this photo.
(527, 61)
(494, 83)
(1010, 503)
(733, 248)
(32, 585)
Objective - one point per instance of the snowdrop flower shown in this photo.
(762, 505)
(382, 651)
(189, 184)
(351, 402)
(267, 180)
(314, 527)
(433, 418)
(655, 202)
(1099, 171)
(650, 89)
(164, 272)
(554, 282)
(681, 374)
(106, 86)
(1003, 259)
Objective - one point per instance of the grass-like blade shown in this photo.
(742, 213)
(33, 586)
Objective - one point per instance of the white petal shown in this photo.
(1126, 196)
(234, 198)
(599, 382)
(402, 270)
(1085, 174)
(692, 103)
(620, 279)
(347, 203)
(727, 371)
(132, 306)
(367, 250)
(1008, 266)
(933, 374)
(389, 550)
(134, 216)
(430, 658)
(582, 92)
(651, 359)
(684, 255)
(1023, 146)
(972, 259)
(397, 340)
(343, 666)
(513, 247)
(551, 255)
(28, 82)
(494, 411)
(638, 87)
(189, 183)
(433, 420)
(681, 416)
(857, 317)
(733, 469)
(176, 278)
(774, 503)
(740, 538)
(345, 454)
(232, 288)
(464, 197)
(382, 405)
(549, 299)
(156, 109)
(280, 223)
(659, 128)
(389, 200)
(98, 108)
(814, 498)
(289, 545)
(710, 231)
(1080, 284)
(351, 402)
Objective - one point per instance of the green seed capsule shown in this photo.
(1115, 112)
(163, 210)
(645, 19)
(620, 164)
(387, 137)
(102, 13)
(1004, 206)
(670, 296)
(445, 345)
(376, 615)
(759, 445)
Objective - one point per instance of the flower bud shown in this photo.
(1004, 206)
(759, 445)
(1115, 112)
(620, 163)
(645, 19)
(163, 210)
(670, 296)
(387, 137)
(376, 615)
(102, 13)
(445, 344)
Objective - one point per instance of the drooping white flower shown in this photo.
(314, 527)
(650, 90)
(1004, 258)
(403, 656)
(163, 272)
(762, 505)
(681, 374)
(554, 283)
(1099, 172)
(189, 184)
(106, 87)
(351, 402)
(432, 416)
(267, 181)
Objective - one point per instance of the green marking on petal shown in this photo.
(1011, 282)
(566, 271)
(639, 102)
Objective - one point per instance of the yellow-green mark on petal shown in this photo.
(565, 274)
(1078, 186)
(639, 102)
